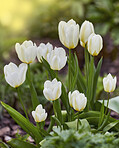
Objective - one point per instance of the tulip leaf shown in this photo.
(77, 76)
(105, 122)
(113, 104)
(83, 125)
(96, 78)
(3, 145)
(34, 97)
(102, 113)
(17, 143)
(47, 66)
(110, 125)
(90, 83)
(23, 123)
(75, 73)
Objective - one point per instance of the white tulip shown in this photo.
(69, 33)
(39, 114)
(52, 89)
(109, 83)
(77, 100)
(86, 30)
(43, 50)
(14, 75)
(95, 44)
(57, 58)
(26, 51)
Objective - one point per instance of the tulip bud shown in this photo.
(69, 33)
(109, 83)
(95, 44)
(86, 30)
(52, 89)
(26, 51)
(57, 58)
(43, 50)
(14, 75)
(39, 114)
(77, 100)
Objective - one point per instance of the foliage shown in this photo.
(84, 139)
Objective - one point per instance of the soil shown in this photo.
(9, 129)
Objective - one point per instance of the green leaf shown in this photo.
(89, 93)
(16, 143)
(47, 66)
(75, 76)
(23, 123)
(113, 104)
(102, 113)
(105, 121)
(111, 125)
(83, 125)
(96, 78)
(3, 145)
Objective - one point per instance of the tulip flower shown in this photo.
(109, 83)
(69, 33)
(26, 51)
(57, 58)
(86, 30)
(52, 89)
(43, 50)
(77, 100)
(15, 76)
(39, 114)
(95, 44)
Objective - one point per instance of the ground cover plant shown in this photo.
(78, 117)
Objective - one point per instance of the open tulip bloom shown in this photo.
(52, 89)
(86, 30)
(69, 33)
(15, 76)
(109, 83)
(43, 50)
(26, 52)
(39, 114)
(57, 58)
(74, 101)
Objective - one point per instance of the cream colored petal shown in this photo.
(48, 94)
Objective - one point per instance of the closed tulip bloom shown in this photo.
(95, 44)
(69, 33)
(86, 30)
(39, 114)
(14, 75)
(57, 58)
(43, 50)
(77, 100)
(52, 89)
(109, 83)
(26, 51)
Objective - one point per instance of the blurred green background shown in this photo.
(38, 20)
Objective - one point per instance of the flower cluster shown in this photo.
(69, 35)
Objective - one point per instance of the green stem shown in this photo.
(78, 122)
(86, 64)
(19, 95)
(107, 103)
(86, 74)
(52, 122)
(57, 110)
(34, 97)
(69, 71)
